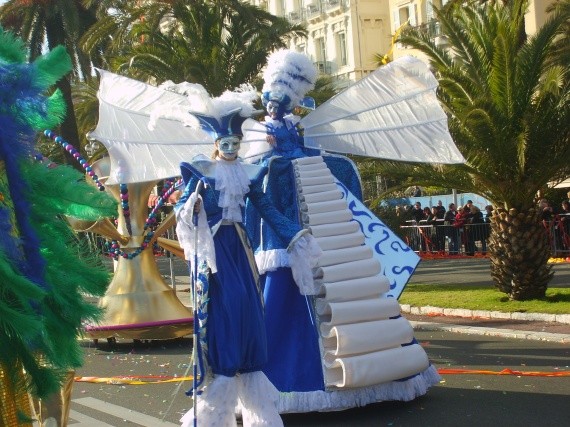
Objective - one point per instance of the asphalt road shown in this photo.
(459, 400)
(468, 271)
(473, 271)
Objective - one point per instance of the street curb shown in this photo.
(492, 332)
(484, 314)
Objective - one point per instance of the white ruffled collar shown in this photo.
(233, 184)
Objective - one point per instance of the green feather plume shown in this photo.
(12, 49)
(52, 66)
(65, 190)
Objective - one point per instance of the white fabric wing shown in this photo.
(138, 153)
(255, 138)
(393, 113)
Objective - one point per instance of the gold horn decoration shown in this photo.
(138, 303)
(54, 410)
(104, 227)
(171, 246)
(14, 403)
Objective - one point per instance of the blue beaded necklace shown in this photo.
(169, 187)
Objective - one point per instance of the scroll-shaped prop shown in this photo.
(348, 270)
(366, 337)
(345, 255)
(355, 289)
(338, 242)
(376, 368)
(343, 313)
(393, 113)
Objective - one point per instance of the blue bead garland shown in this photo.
(115, 250)
(76, 155)
(167, 190)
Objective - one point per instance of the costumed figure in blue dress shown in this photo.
(308, 361)
(233, 336)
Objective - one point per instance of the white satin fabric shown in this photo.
(195, 241)
(393, 113)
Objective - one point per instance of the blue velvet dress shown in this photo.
(294, 357)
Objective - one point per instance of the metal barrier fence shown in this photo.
(471, 239)
(427, 238)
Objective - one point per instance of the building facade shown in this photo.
(343, 35)
(421, 13)
(346, 38)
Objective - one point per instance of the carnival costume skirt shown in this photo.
(294, 359)
(236, 334)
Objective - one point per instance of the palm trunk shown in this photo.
(68, 128)
(519, 252)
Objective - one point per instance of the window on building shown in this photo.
(320, 49)
(406, 14)
(430, 14)
(341, 49)
(403, 15)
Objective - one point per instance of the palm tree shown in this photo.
(53, 22)
(507, 99)
(217, 43)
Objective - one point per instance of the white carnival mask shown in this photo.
(229, 146)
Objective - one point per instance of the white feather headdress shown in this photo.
(290, 73)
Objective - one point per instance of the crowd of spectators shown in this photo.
(435, 229)
(466, 229)
(557, 223)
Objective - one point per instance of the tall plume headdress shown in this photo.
(288, 77)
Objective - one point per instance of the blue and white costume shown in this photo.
(345, 344)
(235, 337)
(317, 364)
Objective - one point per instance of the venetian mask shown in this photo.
(228, 147)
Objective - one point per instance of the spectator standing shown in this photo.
(461, 219)
(487, 219)
(564, 226)
(440, 209)
(418, 240)
(477, 229)
(488, 213)
(437, 230)
(404, 213)
(545, 211)
(417, 212)
(450, 230)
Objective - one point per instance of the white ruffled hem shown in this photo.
(323, 401)
(251, 394)
(271, 260)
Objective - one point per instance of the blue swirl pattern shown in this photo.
(398, 261)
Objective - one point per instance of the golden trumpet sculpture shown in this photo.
(138, 303)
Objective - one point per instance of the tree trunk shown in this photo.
(68, 128)
(519, 252)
